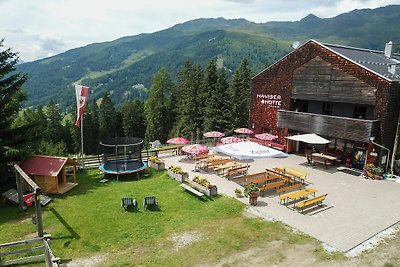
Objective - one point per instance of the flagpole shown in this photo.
(83, 164)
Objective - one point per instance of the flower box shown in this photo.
(157, 166)
(209, 191)
(181, 177)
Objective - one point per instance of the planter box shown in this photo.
(156, 166)
(208, 191)
(179, 177)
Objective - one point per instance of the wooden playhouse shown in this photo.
(54, 175)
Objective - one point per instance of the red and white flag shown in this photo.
(81, 101)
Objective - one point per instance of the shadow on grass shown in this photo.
(10, 212)
(74, 234)
(90, 180)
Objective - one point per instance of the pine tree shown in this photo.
(11, 98)
(223, 111)
(208, 96)
(157, 107)
(54, 131)
(107, 118)
(133, 121)
(189, 120)
(240, 94)
(91, 128)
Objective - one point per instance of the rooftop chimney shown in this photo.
(393, 68)
(389, 49)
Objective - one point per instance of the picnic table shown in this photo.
(323, 159)
(220, 169)
(297, 195)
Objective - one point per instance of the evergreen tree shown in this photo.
(54, 131)
(157, 107)
(11, 98)
(107, 119)
(240, 94)
(189, 120)
(75, 132)
(133, 121)
(91, 128)
(35, 119)
(207, 96)
(222, 110)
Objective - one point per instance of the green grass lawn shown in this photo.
(89, 221)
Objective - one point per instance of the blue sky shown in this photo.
(41, 28)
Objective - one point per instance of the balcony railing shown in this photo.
(332, 126)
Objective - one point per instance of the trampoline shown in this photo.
(121, 156)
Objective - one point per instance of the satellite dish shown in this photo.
(295, 44)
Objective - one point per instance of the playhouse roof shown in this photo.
(43, 165)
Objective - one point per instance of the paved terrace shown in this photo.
(355, 209)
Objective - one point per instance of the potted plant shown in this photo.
(253, 192)
(156, 163)
(238, 193)
(177, 173)
(373, 172)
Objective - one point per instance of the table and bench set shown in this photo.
(289, 184)
(322, 158)
(222, 166)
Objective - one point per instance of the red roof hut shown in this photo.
(52, 174)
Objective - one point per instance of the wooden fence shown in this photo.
(93, 161)
(29, 251)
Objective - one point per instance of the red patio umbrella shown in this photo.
(266, 136)
(213, 134)
(178, 141)
(231, 140)
(195, 149)
(243, 131)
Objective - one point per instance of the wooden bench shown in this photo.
(173, 149)
(310, 202)
(274, 185)
(211, 164)
(254, 175)
(202, 156)
(300, 174)
(192, 190)
(281, 175)
(293, 176)
(274, 145)
(237, 170)
(289, 188)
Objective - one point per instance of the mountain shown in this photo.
(125, 66)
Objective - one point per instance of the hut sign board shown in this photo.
(273, 101)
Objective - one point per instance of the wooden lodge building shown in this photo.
(344, 94)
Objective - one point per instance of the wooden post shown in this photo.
(38, 210)
(19, 189)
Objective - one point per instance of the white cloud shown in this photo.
(72, 23)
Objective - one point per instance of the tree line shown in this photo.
(201, 100)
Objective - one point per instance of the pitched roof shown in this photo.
(374, 61)
(371, 60)
(43, 165)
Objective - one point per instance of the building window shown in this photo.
(266, 130)
(360, 112)
(327, 108)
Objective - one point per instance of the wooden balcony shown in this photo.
(332, 126)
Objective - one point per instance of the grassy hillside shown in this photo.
(124, 65)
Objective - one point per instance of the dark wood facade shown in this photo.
(345, 128)
(313, 77)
